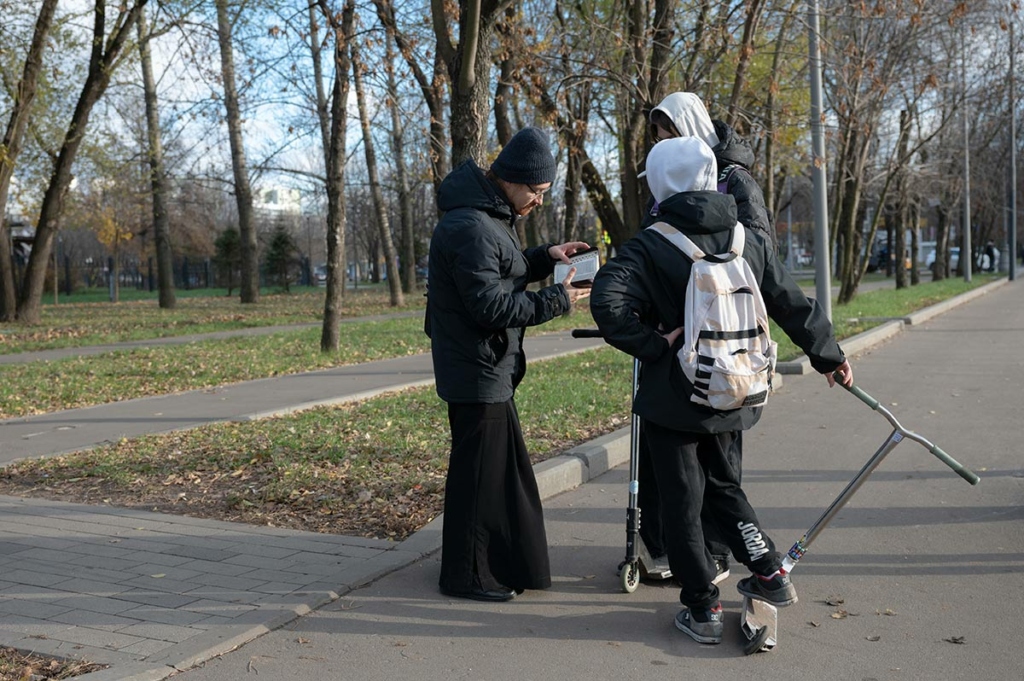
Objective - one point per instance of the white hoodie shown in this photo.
(681, 164)
(688, 114)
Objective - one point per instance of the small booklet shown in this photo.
(586, 263)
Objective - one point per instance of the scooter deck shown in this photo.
(759, 623)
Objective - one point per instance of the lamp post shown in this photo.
(822, 263)
(966, 254)
(1013, 158)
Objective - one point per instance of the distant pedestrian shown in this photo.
(990, 254)
(696, 451)
(494, 542)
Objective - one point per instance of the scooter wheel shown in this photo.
(630, 576)
(756, 644)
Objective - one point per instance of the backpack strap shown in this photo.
(725, 174)
(690, 249)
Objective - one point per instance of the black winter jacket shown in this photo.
(733, 150)
(643, 288)
(477, 302)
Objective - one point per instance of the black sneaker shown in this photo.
(777, 590)
(707, 631)
(722, 570)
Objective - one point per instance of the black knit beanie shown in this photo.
(526, 159)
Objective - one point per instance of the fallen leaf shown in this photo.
(813, 623)
(874, 638)
(840, 614)
(159, 575)
(959, 640)
(834, 600)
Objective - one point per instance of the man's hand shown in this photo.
(672, 335)
(563, 251)
(845, 371)
(573, 292)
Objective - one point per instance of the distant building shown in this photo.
(278, 201)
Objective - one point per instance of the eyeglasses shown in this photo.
(539, 193)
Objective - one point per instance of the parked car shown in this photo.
(954, 259)
(320, 275)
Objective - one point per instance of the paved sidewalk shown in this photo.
(151, 593)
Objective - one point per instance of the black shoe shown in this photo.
(492, 596)
(777, 590)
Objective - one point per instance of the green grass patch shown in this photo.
(39, 387)
(375, 468)
(80, 324)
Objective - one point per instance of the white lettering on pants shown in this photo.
(753, 539)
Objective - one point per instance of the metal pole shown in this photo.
(1013, 159)
(789, 227)
(966, 253)
(822, 264)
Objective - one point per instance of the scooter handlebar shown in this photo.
(587, 333)
(861, 395)
(958, 468)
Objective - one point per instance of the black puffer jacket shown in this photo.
(733, 150)
(644, 288)
(477, 302)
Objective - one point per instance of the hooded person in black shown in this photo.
(493, 543)
(638, 302)
(683, 114)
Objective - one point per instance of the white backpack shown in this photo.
(727, 353)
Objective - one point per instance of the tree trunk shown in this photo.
(330, 335)
(21, 111)
(432, 88)
(383, 225)
(771, 202)
(250, 284)
(746, 52)
(402, 175)
(468, 65)
(102, 60)
(157, 178)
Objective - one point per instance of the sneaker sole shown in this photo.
(697, 637)
(765, 599)
(720, 577)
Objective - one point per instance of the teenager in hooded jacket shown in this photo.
(493, 538)
(638, 302)
(683, 114)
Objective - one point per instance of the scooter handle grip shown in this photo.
(965, 473)
(860, 394)
(587, 333)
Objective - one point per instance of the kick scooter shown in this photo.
(760, 620)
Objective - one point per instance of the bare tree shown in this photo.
(250, 284)
(383, 225)
(408, 240)
(157, 176)
(11, 147)
(105, 55)
(334, 155)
